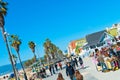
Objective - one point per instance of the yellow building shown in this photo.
(113, 31)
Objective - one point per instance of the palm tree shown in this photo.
(45, 58)
(55, 53)
(48, 42)
(50, 48)
(32, 47)
(3, 12)
(15, 43)
(60, 53)
(46, 45)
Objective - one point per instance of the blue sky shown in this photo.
(59, 20)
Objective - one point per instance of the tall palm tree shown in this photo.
(15, 43)
(32, 47)
(46, 46)
(60, 53)
(48, 42)
(54, 51)
(45, 57)
(50, 48)
(3, 12)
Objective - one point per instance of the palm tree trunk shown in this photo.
(10, 56)
(48, 59)
(25, 76)
(35, 56)
(53, 55)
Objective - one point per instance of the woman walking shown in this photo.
(78, 76)
(60, 77)
(94, 60)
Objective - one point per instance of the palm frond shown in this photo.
(31, 44)
(15, 42)
(3, 8)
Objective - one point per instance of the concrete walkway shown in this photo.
(89, 73)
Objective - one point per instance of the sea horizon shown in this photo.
(7, 69)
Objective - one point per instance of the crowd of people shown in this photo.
(107, 58)
(71, 70)
(41, 72)
(54, 68)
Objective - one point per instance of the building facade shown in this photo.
(75, 46)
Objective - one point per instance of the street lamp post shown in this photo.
(7, 47)
(14, 61)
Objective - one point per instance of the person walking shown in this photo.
(53, 70)
(101, 60)
(60, 77)
(76, 62)
(66, 68)
(73, 63)
(44, 72)
(70, 71)
(60, 65)
(81, 62)
(56, 67)
(94, 60)
(78, 76)
(50, 69)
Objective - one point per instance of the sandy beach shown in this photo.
(28, 72)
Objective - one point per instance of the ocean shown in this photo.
(8, 69)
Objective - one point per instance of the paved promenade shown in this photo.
(90, 73)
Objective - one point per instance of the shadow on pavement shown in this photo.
(84, 67)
